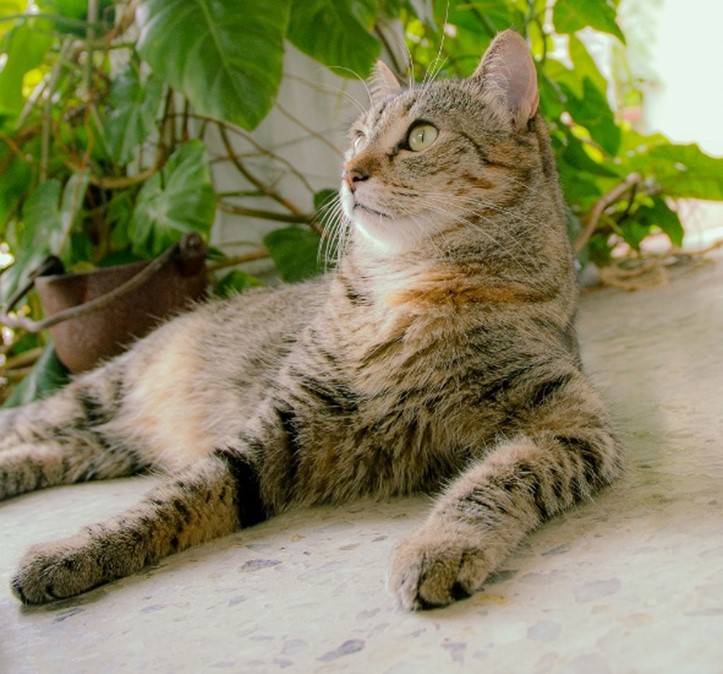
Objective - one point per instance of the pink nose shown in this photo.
(353, 176)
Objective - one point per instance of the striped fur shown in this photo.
(439, 356)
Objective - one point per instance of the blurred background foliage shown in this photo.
(104, 106)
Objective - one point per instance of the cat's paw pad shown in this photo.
(50, 572)
(427, 573)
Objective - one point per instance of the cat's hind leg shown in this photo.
(212, 497)
(62, 440)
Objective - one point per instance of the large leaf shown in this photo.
(685, 171)
(14, 180)
(295, 252)
(41, 220)
(10, 8)
(178, 200)
(134, 106)
(224, 55)
(48, 216)
(593, 112)
(71, 206)
(584, 66)
(25, 47)
(70, 16)
(330, 32)
(569, 16)
(47, 375)
(236, 281)
(659, 214)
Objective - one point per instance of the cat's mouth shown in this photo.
(358, 205)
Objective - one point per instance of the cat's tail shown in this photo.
(212, 497)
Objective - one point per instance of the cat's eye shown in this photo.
(421, 136)
(357, 142)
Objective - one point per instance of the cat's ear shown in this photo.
(506, 76)
(383, 82)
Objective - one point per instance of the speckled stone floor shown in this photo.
(631, 583)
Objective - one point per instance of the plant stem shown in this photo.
(256, 182)
(594, 214)
(301, 218)
(259, 254)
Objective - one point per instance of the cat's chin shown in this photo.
(384, 233)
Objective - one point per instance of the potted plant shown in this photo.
(94, 172)
(106, 108)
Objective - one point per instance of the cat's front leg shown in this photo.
(211, 498)
(479, 520)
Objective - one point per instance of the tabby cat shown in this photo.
(439, 355)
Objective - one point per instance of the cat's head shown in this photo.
(445, 154)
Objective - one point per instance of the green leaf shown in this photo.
(225, 56)
(47, 375)
(14, 181)
(584, 66)
(25, 47)
(330, 32)
(593, 112)
(685, 171)
(10, 8)
(43, 229)
(295, 252)
(41, 217)
(134, 106)
(576, 155)
(70, 208)
(26, 262)
(569, 16)
(70, 16)
(323, 199)
(659, 214)
(236, 281)
(178, 200)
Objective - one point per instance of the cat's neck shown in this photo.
(438, 275)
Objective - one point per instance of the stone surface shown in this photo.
(632, 582)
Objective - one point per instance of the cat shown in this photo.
(439, 355)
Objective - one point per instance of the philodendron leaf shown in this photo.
(134, 104)
(685, 171)
(659, 214)
(593, 112)
(330, 32)
(295, 252)
(71, 206)
(70, 16)
(24, 47)
(225, 56)
(178, 200)
(569, 16)
(47, 374)
(236, 281)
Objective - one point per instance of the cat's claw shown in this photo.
(431, 572)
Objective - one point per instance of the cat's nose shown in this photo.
(353, 176)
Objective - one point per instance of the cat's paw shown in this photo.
(53, 571)
(433, 571)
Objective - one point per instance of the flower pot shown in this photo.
(174, 280)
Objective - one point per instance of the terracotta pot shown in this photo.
(83, 341)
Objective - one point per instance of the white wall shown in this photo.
(680, 43)
(322, 106)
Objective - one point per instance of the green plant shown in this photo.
(104, 107)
